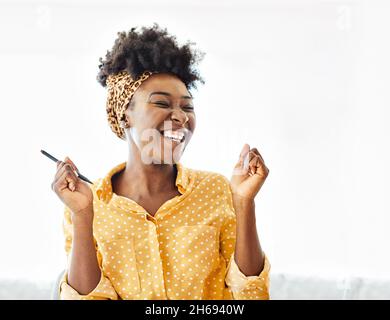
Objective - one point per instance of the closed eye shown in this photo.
(161, 104)
(189, 107)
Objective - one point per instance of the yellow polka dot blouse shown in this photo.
(184, 252)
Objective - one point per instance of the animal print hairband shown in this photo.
(121, 88)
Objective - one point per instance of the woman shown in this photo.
(152, 228)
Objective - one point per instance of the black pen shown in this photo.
(56, 160)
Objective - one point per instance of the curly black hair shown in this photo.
(151, 49)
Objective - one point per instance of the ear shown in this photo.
(125, 117)
(124, 124)
(121, 124)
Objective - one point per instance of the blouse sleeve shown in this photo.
(104, 289)
(242, 287)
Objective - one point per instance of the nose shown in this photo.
(179, 116)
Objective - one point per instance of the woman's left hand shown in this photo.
(249, 174)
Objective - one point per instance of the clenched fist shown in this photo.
(73, 192)
(249, 173)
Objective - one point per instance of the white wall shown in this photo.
(306, 82)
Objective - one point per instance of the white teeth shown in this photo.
(174, 135)
(174, 139)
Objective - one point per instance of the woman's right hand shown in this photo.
(73, 192)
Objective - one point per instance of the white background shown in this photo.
(306, 82)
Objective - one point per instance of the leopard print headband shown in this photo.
(121, 88)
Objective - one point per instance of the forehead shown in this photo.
(163, 82)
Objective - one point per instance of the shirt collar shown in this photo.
(104, 187)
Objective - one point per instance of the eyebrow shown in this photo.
(168, 94)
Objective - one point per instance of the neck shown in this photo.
(150, 178)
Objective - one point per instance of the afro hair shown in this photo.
(151, 49)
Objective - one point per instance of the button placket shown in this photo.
(155, 246)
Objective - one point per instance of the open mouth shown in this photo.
(173, 135)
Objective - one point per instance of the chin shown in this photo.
(171, 152)
(163, 152)
(170, 158)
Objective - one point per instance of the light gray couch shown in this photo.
(283, 286)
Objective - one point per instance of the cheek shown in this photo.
(145, 124)
(192, 122)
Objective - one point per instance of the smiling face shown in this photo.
(161, 118)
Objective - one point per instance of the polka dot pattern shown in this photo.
(185, 251)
